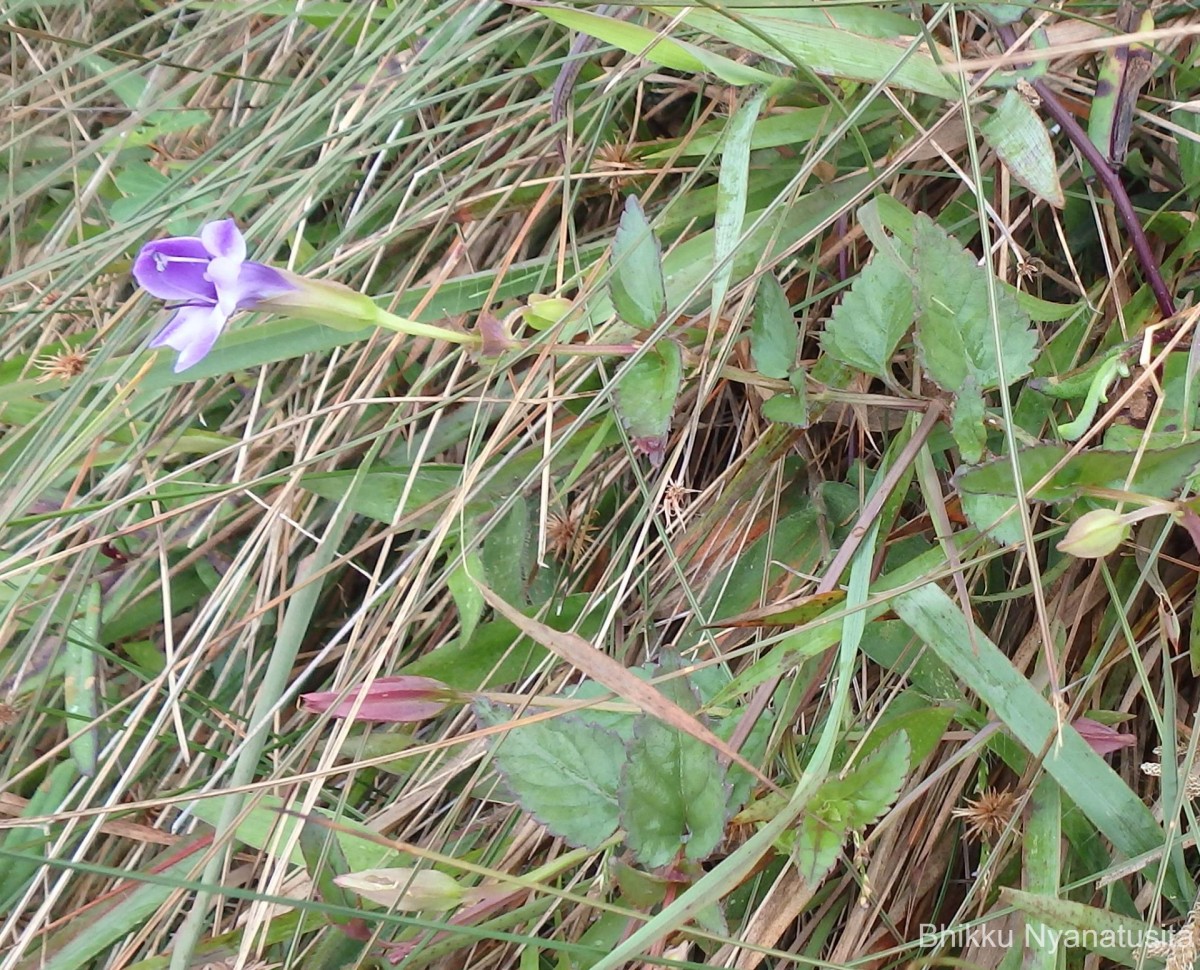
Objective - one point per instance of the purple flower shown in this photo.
(211, 278)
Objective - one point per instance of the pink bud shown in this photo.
(1102, 738)
(388, 699)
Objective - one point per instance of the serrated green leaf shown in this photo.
(954, 324)
(774, 336)
(992, 516)
(1020, 138)
(842, 805)
(645, 397)
(672, 795)
(673, 790)
(967, 425)
(637, 289)
(874, 784)
(872, 318)
(563, 772)
(884, 213)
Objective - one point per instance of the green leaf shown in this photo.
(77, 943)
(1020, 138)
(80, 672)
(1103, 797)
(1004, 13)
(499, 653)
(645, 398)
(733, 181)
(797, 127)
(924, 725)
(464, 588)
(1160, 473)
(563, 772)
(774, 336)
(874, 784)
(637, 288)
(389, 492)
(833, 51)
(869, 322)
(967, 426)
(657, 49)
(883, 212)
(842, 805)
(954, 325)
(503, 554)
(266, 828)
(1053, 923)
(324, 860)
(672, 795)
(1189, 148)
(818, 841)
(774, 236)
(787, 409)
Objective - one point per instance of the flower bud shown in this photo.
(405, 890)
(545, 311)
(1095, 535)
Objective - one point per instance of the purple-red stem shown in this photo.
(1108, 177)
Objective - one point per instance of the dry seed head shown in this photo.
(64, 366)
(9, 715)
(614, 161)
(675, 501)
(1030, 269)
(569, 535)
(989, 814)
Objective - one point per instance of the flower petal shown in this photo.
(258, 282)
(192, 331)
(224, 239)
(174, 268)
(224, 273)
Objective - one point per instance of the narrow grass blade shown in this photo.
(1085, 777)
(1042, 859)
